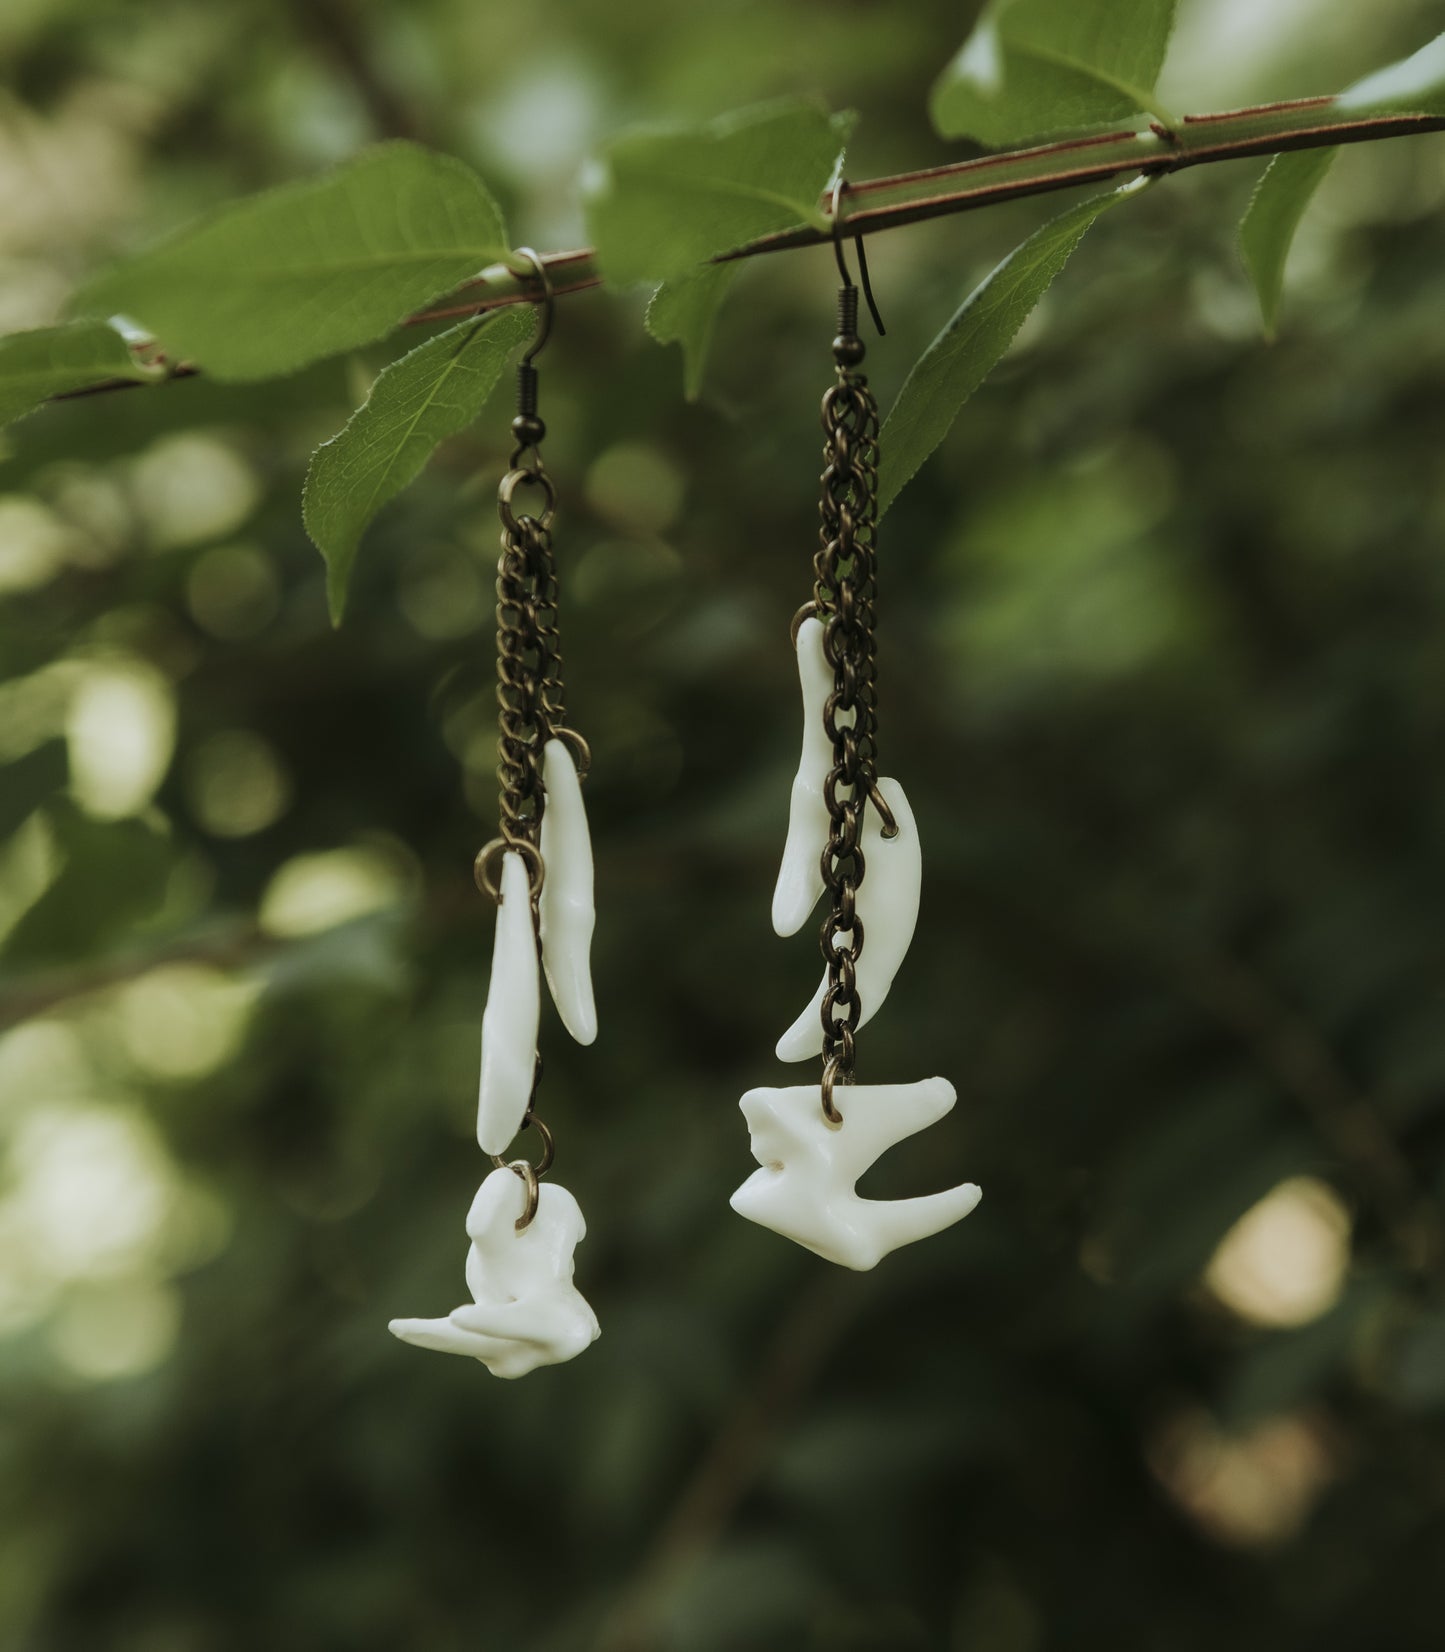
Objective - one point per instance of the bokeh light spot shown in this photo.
(311, 893)
(121, 731)
(1283, 1262)
(236, 784)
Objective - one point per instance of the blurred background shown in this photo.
(1163, 670)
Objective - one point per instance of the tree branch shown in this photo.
(966, 186)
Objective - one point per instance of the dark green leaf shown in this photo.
(51, 360)
(662, 200)
(415, 403)
(683, 311)
(1269, 226)
(968, 348)
(1034, 67)
(265, 285)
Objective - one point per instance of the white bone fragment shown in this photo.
(888, 906)
(806, 1187)
(509, 1022)
(525, 1310)
(800, 877)
(566, 907)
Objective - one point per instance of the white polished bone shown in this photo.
(509, 1022)
(800, 877)
(806, 1187)
(888, 906)
(525, 1311)
(566, 908)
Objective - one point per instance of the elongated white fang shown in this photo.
(566, 905)
(888, 906)
(509, 1022)
(800, 878)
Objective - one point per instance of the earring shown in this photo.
(812, 1152)
(525, 1309)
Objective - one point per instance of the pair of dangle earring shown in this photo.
(525, 1309)
(814, 1141)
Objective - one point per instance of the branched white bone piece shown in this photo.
(800, 877)
(509, 1022)
(566, 907)
(525, 1310)
(806, 1187)
(888, 906)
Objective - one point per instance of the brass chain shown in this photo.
(844, 599)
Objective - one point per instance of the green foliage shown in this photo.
(662, 200)
(1415, 85)
(265, 285)
(48, 361)
(684, 310)
(434, 392)
(1275, 210)
(1036, 67)
(974, 340)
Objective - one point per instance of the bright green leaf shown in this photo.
(1274, 214)
(1414, 86)
(434, 392)
(969, 347)
(265, 285)
(1035, 67)
(51, 360)
(660, 201)
(683, 311)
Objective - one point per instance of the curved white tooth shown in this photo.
(800, 878)
(566, 906)
(509, 1022)
(888, 906)
(806, 1188)
(525, 1309)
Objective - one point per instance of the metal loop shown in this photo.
(493, 850)
(806, 612)
(530, 1173)
(830, 1079)
(516, 478)
(581, 751)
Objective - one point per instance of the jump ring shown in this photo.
(489, 852)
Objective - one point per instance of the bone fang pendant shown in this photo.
(888, 905)
(806, 1187)
(525, 1310)
(509, 1022)
(800, 877)
(565, 905)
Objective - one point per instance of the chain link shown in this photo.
(844, 599)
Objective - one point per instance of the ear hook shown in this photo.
(548, 302)
(839, 185)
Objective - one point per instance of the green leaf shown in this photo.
(1414, 86)
(416, 402)
(969, 347)
(662, 200)
(683, 311)
(51, 360)
(1035, 67)
(1269, 226)
(265, 285)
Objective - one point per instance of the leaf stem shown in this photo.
(967, 186)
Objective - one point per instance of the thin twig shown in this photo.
(967, 186)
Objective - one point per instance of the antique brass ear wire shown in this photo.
(840, 185)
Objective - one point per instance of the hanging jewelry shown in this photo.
(525, 1309)
(811, 1151)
